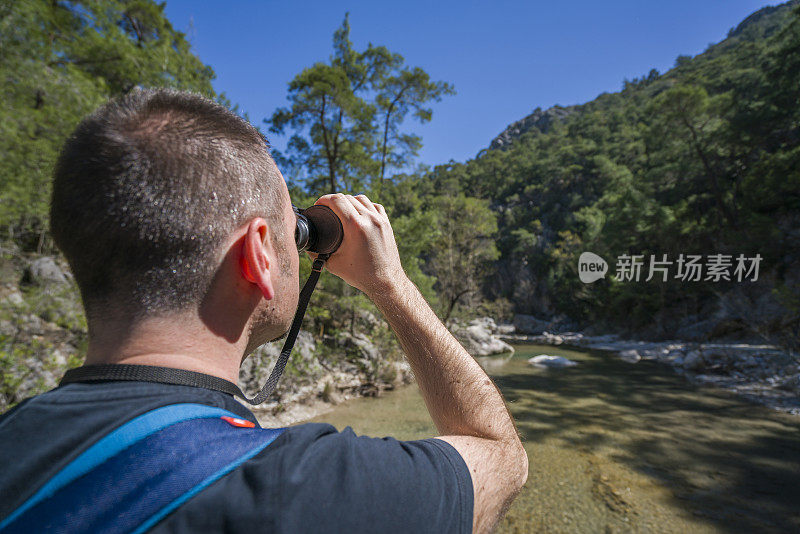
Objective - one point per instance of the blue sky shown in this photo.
(504, 58)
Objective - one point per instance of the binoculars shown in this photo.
(318, 230)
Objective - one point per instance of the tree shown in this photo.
(689, 109)
(326, 101)
(345, 115)
(407, 90)
(463, 249)
(59, 61)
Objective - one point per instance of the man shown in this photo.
(178, 228)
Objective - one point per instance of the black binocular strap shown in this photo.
(291, 337)
(182, 377)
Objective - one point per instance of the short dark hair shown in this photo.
(146, 190)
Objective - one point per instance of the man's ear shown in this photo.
(256, 254)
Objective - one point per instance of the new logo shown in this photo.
(591, 267)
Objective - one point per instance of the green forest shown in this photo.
(703, 159)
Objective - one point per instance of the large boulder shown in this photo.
(360, 344)
(486, 323)
(478, 338)
(42, 271)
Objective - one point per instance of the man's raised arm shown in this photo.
(464, 403)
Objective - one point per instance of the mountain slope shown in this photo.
(702, 159)
(756, 27)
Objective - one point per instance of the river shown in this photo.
(618, 447)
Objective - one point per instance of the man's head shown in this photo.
(147, 193)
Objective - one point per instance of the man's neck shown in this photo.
(179, 342)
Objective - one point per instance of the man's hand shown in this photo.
(367, 258)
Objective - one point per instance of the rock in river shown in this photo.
(629, 356)
(547, 361)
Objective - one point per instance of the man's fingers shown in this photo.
(359, 206)
(340, 205)
(366, 202)
(349, 208)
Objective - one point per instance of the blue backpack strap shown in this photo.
(138, 474)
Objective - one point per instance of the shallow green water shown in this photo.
(616, 447)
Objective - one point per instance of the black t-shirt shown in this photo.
(312, 478)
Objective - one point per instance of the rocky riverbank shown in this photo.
(43, 333)
(761, 373)
(315, 382)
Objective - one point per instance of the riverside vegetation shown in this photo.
(702, 159)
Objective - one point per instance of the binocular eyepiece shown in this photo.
(318, 229)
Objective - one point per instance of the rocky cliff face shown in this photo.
(541, 120)
(762, 16)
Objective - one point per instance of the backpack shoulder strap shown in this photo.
(139, 473)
